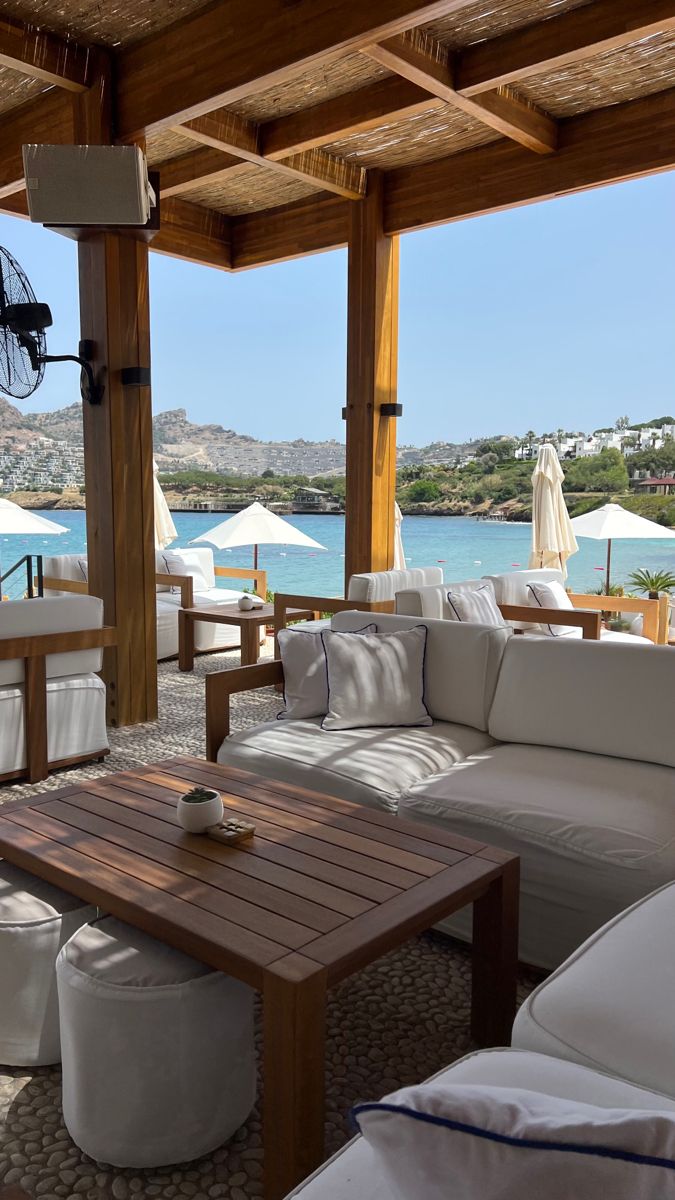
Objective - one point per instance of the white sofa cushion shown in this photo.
(462, 663)
(353, 1174)
(610, 1005)
(551, 595)
(371, 766)
(65, 566)
(511, 587)
(477, 605)
(75, 720)
(432, 599)
(483, 1142)
(377, 586)
(303, 658)
(593, 833)
(587, 696)
(196, 561)
(51, 614)
(375, 679)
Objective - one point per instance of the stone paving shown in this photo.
(393, 1024)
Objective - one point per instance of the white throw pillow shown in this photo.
(376, 679)
(187, 562)
(496, 1143)
(551, 595)
(303, 658)
(478, 606)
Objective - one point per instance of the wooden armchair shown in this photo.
(34, 649)
(184, 582)
(221, 685)
(588, 621)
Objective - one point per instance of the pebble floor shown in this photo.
(393, 1024)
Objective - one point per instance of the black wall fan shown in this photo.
(23, 344)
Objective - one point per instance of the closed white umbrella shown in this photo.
(399, 553)
(14, 519)
(255, 526)
(165, 530)
(612, 521)
(553, 539)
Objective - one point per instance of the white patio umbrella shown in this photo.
(255, 526)
(553, 539)
(165, 530)
(399, 553)
(612, 521)
(14, 519)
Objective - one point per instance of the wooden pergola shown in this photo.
(286, 127)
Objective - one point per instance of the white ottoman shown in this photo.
(610, 1005)
(157, 1049)
(36, 919)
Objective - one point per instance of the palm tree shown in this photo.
(652, 582)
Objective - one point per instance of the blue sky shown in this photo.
(560, 313)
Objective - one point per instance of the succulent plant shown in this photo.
(198, 795)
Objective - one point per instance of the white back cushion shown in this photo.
(461, 666)
(604, 698)
(432, 601)
(53, 614)
(65, 566)
(376, 586)
(197, 561)
(511, 588)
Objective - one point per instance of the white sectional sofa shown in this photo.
(599, 1031)
(559, 751)
(196, 562)
(75, 695)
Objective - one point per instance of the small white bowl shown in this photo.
(195, 818)
(245, 603)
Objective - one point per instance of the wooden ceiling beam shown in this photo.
(612, 144)
(560, 42)
(179, 175)
(387, 100)
(48, 119)
(226, 131)
(195, 234)
(292, 231)
(245, 48)
(56, 61)
(427, 62)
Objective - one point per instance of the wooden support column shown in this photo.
(115, 315)
(372, 352)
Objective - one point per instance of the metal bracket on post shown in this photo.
(135, 376)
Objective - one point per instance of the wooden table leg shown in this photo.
(294, 1024)
(186, 641)
(35, 717)
(495, 958)
(250, 643)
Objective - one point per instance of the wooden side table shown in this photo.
(248, 622)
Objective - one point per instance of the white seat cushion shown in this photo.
(75, 720)
(594, 833)
(370, 766)
(610, 1006)
(352, 1173)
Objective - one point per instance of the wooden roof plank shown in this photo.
(244, 48)
(560, 42)
(426, 62)
(56, 61)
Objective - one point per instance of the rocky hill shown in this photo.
(181, 444)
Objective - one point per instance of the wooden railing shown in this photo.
(654, 612)
(34, 650)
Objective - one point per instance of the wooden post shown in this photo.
(372, 352)
(115, 315)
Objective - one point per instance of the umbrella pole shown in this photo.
(255, 558)
(609, 564)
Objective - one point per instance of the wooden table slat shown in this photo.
(177, 854)
(246, 919)
(158, 820)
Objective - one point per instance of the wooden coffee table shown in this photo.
(249, 622)
(323, 888)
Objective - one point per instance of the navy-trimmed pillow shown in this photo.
(303, 659)
(376, 680)
(496, 1143)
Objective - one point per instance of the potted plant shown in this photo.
(652, 582)
(200, 808)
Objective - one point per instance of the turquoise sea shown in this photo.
(463, 546)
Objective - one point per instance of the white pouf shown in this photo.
(157, 1049)
(36, 919)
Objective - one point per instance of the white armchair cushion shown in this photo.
(500, 1143)
(303, 658)
(375, 679)
(196, 562)
(51, 614)
(378, 586)
(551, 595)
(475, 605)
